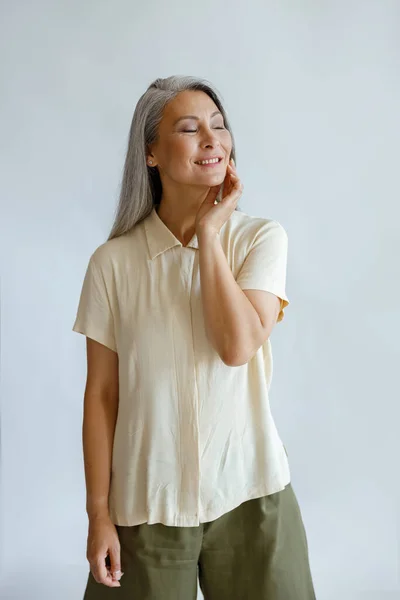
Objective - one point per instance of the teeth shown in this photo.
(206, 162)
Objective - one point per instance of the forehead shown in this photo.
(189, 102)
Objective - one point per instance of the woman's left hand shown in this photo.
(210, 217)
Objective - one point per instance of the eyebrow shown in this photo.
(217, 112)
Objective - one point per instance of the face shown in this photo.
(192, 129)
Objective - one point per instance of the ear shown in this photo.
(150, 159)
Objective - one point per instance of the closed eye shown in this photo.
(194, 130)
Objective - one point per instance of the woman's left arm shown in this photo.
(237, 322)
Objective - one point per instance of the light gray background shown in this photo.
(312, 89)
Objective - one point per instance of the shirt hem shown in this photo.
(207, 517)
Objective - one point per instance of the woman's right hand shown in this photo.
(103, 541)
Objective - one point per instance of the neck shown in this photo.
(179, 214)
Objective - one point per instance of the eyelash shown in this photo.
(194, 130)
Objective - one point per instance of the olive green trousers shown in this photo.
(257, 551)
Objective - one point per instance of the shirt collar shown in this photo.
(160, 238)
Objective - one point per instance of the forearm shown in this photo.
(232, 324)
(100, 414)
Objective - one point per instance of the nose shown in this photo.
(209, 136)
(211, 141)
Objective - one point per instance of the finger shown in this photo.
(227, 185)
(232, 172)
(227, 179)
(235, 182)
(239, 187)
(98, 568)
(212, 194)
(102, 575)
(234, 195)
(115, 559)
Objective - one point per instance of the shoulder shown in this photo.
(112, 253)
(247, 228)
(117, 248)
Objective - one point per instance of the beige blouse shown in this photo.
(194, 437)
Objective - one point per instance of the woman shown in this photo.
(185, 471)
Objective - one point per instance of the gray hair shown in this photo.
(141, 185)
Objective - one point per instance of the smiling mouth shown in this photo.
(211, 163)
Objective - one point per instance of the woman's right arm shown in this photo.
(99, 419)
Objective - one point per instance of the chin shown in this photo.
(216, 178)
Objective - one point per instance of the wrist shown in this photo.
(98, 517)
(97, 511)
(206, 234)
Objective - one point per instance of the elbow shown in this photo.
(235, 362)
(238, 355)
(235, 357)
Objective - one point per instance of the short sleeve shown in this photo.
(94, 315)
(264, 267)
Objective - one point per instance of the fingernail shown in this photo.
(117, 575)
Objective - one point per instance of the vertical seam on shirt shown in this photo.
(196, 386)
(180, 422)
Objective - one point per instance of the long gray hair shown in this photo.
(141, 185)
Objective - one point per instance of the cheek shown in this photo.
(226, 139)
(182, 150)
(186, 146)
